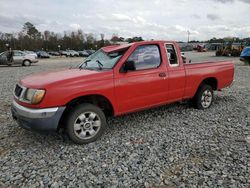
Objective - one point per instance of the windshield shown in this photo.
(102, 60)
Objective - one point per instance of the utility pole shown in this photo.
(102, 40)
(188, 35)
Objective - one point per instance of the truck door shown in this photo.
(146, 85)
(176, 73)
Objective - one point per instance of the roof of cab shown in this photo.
(115, 48)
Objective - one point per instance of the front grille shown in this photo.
(18, 90)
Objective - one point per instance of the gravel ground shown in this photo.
(170, 146)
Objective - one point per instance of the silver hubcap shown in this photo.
(206, 98)
(87, 125)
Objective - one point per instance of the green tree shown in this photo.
(134, 39)
(30, 30)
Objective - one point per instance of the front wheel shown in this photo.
(26, 63)
(86, 123)
(204, 97)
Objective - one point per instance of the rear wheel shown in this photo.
(85, 123)
(204, 97)
(26, 63)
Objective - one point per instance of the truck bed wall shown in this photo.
(196, 73)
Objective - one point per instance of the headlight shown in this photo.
(34, 96)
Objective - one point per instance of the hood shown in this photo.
(44, 79)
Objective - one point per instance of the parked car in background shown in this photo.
(90, 51)
(73, 53)
(83, 53)
(30, 53)
(245, 55)
(42, 54)
(184, 47)
(53, 53)
(19, 57)
(64, 53)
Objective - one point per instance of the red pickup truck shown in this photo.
(113, 81)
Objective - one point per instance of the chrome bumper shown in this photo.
(41, 120)
(34, 113)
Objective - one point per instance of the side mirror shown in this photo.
(128, 66)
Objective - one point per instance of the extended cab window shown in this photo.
(172, 56)
(146, 57)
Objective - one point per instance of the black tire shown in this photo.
(203, 96)
(217, 53)
(26, 63)
(74, 117)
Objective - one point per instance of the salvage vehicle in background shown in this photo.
(83, 53)
(30, 53)
(73, 53)
(64, 53)
(229, 50)
(113, 81)
(53, 53)
(90, 51)
(42, 54)
(19, 57)
(201, 48)
(245, 55)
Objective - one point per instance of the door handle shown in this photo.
(162, 74)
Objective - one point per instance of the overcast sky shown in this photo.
(151, 19)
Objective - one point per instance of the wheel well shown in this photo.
(211, 82)
(98, 100)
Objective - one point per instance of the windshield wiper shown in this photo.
(85, 62)
(99, 64)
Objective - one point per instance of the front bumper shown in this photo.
(35, 61)
(42, 120)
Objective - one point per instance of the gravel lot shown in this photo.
(170, 146)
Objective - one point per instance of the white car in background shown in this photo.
(72, 53)
(19, 57)
(30, 53)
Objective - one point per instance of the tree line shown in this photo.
(244, 41)
(29, 38)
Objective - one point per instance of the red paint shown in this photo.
(131, 91)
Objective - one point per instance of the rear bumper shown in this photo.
(41, 120)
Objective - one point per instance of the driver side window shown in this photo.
(18, 53)
(146, 57)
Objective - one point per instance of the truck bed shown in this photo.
(222, 71)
